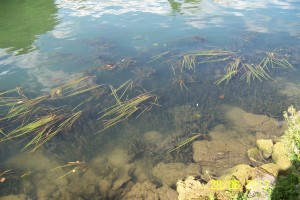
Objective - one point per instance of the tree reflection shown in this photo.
(22, 21)
(177, 7)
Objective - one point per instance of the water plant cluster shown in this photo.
(37, 120)
(236, 64)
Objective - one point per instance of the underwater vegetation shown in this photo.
(35, 119)
(76, 167)
(124, 106)
(236, 64)
(39, 119)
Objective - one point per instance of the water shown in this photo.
(44, 44)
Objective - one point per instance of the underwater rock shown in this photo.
(142, 191)
(190, 188)
(186, 117)
(255, 156)
(13, 197)
(152, 137)
(104, 186)
(280, 158)
(170, 173)
(118, 157)
(243, 120)
(266, 147)
(142, 171)
(166, 193)
(271, 168)
(120, 182)
(219, 155)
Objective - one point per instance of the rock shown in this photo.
(118, 157)
(13, 197)
(166, 193)
(120, 182)
(266, 147)
(170, 173)
(191, 188)
(240, 172)
(280, 158)
(153, 137)
(260, 184)
(271, 168)
(186, 117)
(142, 191)
(255, 156)
(104, 186)
(243, 120)
(219, 155)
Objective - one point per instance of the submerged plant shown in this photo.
(185, 142)
(245, 70)
(76, 167)
(188, 62)
(124, 106)
(35, 119)
(251, 72)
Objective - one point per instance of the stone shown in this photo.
(152, 137)
(121, 181)
(218, 155)
(243, 120)
(13, 197)
(166, 193)
(240, 172)
(255, 156)
(280, 158)
(170, 173)
(271, 168)
(142, 191)
(190, 188)
(266, 147)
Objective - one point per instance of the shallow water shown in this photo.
(44, 44)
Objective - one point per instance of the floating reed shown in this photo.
(185, 142)
(251, 72)
(75, 167)
(123, 109)
(274, 60)
(37, 121)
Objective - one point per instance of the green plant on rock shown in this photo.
(292, 134)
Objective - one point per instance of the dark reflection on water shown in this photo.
(22, 22)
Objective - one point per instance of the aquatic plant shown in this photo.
(292, 134)
(36, 119)
(125, 108)
(274, 59)
(249, 72)
(188, 62)
(245, 70)
(185, 142)
(76, 167)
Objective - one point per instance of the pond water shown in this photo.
(171, 52)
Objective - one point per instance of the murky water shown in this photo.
(45, 44)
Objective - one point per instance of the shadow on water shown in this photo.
(22, 21)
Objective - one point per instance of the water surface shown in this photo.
(44, 44)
